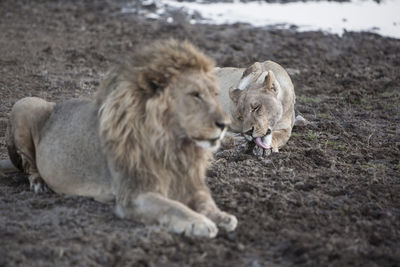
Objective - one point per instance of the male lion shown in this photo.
(145, 141)
(260, 102)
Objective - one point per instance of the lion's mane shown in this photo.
(136, 125)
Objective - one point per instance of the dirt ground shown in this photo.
(331, 197)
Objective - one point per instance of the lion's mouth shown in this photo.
(209, 143)
(207, 140)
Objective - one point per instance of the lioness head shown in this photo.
(196, 112)
(257, 108)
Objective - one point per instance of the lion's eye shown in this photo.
(240, 118)
(196, 95)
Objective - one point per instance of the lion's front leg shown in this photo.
(203, 203)
(176, 217)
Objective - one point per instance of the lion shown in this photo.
(259, 101)
(144, 141)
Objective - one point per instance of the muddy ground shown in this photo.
(331, 197)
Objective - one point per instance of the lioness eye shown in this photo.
(255, 109)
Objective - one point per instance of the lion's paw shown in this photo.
(200, 226)
(226, 221)
(37, 184)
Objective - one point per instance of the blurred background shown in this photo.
(331, 16)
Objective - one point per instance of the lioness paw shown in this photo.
(200, 226)
(260, 152)
(232, 140)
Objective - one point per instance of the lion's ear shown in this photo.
(269, 83)
(234, 94)
(150, 85)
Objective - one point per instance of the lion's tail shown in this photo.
(15, 162)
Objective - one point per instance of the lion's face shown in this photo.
(196, 110)
(257, 108)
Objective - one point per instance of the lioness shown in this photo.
(144, 141)
(260, 102)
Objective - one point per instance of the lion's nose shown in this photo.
(250, 132)
(268, 132)
(220, 124)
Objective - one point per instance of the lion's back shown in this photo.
(69, 155)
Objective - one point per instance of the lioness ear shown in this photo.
(270, 82)
(234, 94)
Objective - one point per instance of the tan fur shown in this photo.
(145, 139)
(258, 99)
